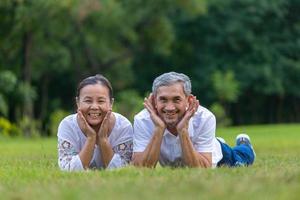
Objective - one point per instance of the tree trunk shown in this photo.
(44, 97)
(27, 45)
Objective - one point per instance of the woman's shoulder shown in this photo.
(122, 130)
(67, 125)
(70, 119)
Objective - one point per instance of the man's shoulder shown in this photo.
(204, 113)
(142, 115)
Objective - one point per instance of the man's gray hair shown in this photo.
(171, 78)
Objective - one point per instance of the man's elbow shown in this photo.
(139, 161)
(205, 163)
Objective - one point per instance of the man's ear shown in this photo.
(190, 98)
(189, 101)
(153, 100)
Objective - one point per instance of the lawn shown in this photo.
(28, 170)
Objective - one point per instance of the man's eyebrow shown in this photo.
(162, 97)
(177, 97)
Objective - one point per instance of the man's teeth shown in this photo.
(94, 114)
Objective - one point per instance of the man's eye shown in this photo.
(87, 101)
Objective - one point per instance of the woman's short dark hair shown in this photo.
(92, 80)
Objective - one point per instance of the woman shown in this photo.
(95, 137)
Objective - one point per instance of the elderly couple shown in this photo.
(172, 129)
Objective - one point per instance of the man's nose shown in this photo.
(170, 106)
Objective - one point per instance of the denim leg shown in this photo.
(241, 155)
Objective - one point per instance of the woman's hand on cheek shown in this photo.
(84, 126)
(103, 131)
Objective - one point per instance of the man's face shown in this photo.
(171, 103)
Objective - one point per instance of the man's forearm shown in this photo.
(150, 156)
(191, 157)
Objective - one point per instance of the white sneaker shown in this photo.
(243, 138)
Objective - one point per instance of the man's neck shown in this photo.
(173, 130)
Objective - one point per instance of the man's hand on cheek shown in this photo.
(183, 124)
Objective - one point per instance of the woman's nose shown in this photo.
(94, 105)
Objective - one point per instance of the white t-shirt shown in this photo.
(201, 129)
(71, 140)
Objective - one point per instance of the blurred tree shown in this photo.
(227, 90)
(51, 45)
(128, 103)
(258, 41)
(8, 82)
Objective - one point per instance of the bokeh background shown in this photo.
(243, 57)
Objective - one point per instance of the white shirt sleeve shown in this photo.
(68, 150)
(204, 138)
(115, 162)
(122, 156)
(142, 134)
(123, 148)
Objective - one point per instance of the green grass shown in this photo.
(28, 170)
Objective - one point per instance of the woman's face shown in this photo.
(94, 102)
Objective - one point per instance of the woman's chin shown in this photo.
(94, 123)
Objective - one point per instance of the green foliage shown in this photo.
(29, 127)
(227, 91)
(222, 119)
(3, 106)
(254, 39)
(225, 85)
(128, 103)
(8, 81)
(8, 129)
(26, 93)
(55, 119)
(49, 46)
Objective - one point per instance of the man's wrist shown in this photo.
(160, 129)
(183, 132)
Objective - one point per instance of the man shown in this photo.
(176, 131)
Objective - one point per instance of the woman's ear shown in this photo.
(112, 102)
(77, 102)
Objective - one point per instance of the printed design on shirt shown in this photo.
(125, 151)
(66, 151)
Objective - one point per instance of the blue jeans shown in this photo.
(241, 155)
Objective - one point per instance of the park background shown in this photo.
(243, 58)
